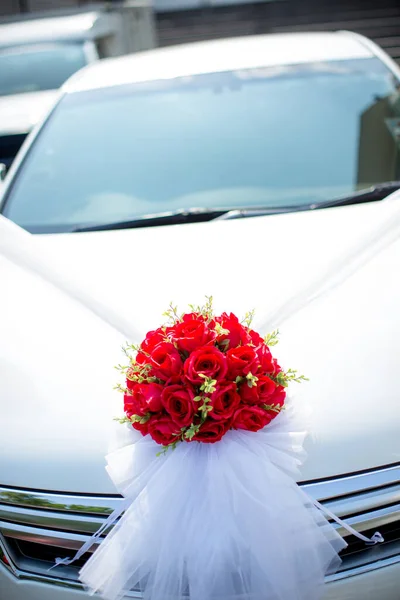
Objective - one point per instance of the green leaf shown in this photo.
(251, 380)
(248, 318)
(140, 418)
(221, 331)
(224, 345)
(271, 339)
(273, 407)
(191, 431)
(145, 418)
(209, 385)
(283, 378)
(122, 420)
(165, 449)
(121, 389)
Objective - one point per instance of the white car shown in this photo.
(140, 185)
(37, 55)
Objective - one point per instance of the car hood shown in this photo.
(57, 357)
(20, 112)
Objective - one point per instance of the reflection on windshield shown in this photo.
(36, 68)
(281, 136)
(379, 142)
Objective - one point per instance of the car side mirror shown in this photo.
(3, 171)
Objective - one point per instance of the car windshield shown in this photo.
(270, 137)
(39, 67)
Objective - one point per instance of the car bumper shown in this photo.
(382, 583)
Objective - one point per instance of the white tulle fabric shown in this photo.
(215, 521)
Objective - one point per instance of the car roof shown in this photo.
(218, 56)
(48, 29)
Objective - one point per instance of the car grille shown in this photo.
(37, 527)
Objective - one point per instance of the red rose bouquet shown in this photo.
(201, 375)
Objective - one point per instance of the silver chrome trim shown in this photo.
(100, 505)
(327, 490)
(69, 541)
(367, 501)
(372, 520)
(352, 484)
(379, 564)
(4, 554)
(55, 520)
(73, 540)
(59, 581)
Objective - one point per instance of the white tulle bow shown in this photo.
(223, 521)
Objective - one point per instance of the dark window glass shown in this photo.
(36, 68)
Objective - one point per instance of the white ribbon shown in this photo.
(111, 520)
(377, 538)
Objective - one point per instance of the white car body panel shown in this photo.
(20, 112)
(347, 343)
(74, 27)
(217, 56)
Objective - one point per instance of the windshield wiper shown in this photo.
(372, 194)
(376, 192)
(191, 215)
(198, 215)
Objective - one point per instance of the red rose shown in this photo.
(165, 360)
(144, 397)
(249, 395)
(191, 333)
(212, 431)
(131, 406)
(242, 360)
(260, 393)
(255, 338)
(251, 418)
(266, 388)
(237, 333)
(268, 363)
(152, 339)
(278, 397)
(208, 361)
(142, 427)
(224, 401)
(150, 394)
(178, 402)
(163, 430)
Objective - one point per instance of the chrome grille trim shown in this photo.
(338, 487)
(100, 505)
(365, 501)
(70, 541)
(368, 501)
(379, 564)
(328, 490)
(74, 540)
(55, 520)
